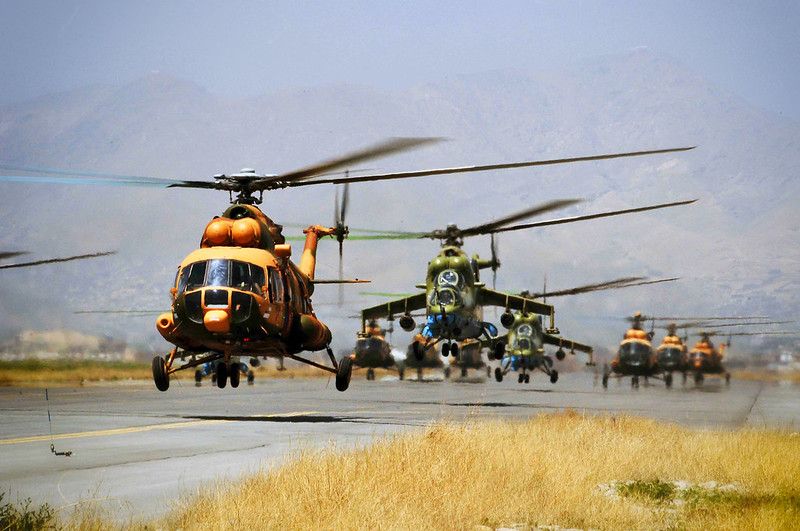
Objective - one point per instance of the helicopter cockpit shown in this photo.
(633, 353)
(235, 274)
(448, 286)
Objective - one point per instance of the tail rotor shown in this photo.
(340, 215)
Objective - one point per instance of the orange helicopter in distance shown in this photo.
(239, 294)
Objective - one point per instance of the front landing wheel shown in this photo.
(498, 374)
(553, 376)
(160, 375)
(344, 374)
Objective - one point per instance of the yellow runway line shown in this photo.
(138, 429)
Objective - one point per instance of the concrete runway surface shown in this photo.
(135, 449)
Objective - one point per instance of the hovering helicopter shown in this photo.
(705, 358)
(454, 296)
(525, 340)
(240, 295)
(372, 351)
(672, 355)
(13, 254)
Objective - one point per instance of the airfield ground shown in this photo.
(137, 452)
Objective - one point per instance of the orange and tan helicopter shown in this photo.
(239, 294)
(637, 358)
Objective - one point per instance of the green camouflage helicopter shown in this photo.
(454, 295)
(526, 338)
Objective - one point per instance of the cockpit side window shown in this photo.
(192, 276)
(275, 286)
(257, 275)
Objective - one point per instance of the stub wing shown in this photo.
(489, 297)
(557, 341)
(395, 307)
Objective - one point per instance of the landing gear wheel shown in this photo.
(160, 376)
(198, 377)
(344, 373)
(499, 350)
(401, 374)
(454, 350)
(447, 373)
(370, 374)
(553, 376)
(251, 377)
(463, 372)
(605, 380)
(527, 378)
(236, 373)
(419, 352)
(698, 378)
(419, 374)
(727, 378)
(498, 374)
(635, 382)
(668, 380)
(445, 349)
(222, 374)
(520, 378)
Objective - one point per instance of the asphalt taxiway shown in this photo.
(136, 450)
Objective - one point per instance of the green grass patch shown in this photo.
(653, 491)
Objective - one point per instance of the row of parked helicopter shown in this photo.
(240, 296)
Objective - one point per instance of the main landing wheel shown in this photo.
(527, 378)
(221, 371)
(235, 374)
(160, 376)
(198, 377)
(520, 378)
(454, 350)
(698, 378)
(344, 373)
(463, 372)
(370, 374)
(498, 374)
(635, 382)
(401, 374)
(445, 349)
(447, 373)
(668, 379)
(251, 377)
(605, 376)
(499, 350)
(553, 376)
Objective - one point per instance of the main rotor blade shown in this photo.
(659, 318)
(83, 173)
(524, 214)
(593, 216)
(12, 254)
(719, 333)
(486, 167)
(709, 325)
(105, 181)
(620, 282)
(135, 313)
(383, 149)
(57, 260)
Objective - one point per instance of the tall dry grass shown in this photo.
(544, 471)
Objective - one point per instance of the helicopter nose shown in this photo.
(217, 321)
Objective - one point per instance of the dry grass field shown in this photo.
(546, 471)
(767, 376)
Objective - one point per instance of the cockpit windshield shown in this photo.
(220, 272)
(449, 277)
(524, 330)
(634, 352)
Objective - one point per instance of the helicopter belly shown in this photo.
(452, 326)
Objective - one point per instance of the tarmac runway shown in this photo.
(136, 450)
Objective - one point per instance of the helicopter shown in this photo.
(239, 294)
(372, 351)
(705, 358)
(636, 357)
(525, 340)
(454, 296)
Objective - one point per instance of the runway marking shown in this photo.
(138, 429)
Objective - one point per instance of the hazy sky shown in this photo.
(246, 48)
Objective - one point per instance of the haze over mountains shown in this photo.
(737, 250)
